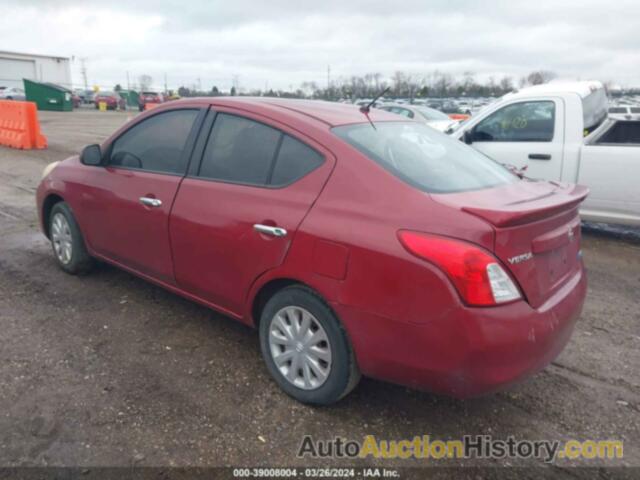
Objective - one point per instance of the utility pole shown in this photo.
(165, 83)
(328, 77)
(83, 70)
(128, 84)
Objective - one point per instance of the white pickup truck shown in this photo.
(560, 132)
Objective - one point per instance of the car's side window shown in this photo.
(294, 161)
(405, 112)
(244, 151)
(155, 144)
(622, 133)
(402, 111)
(239, 150)
(518, 122)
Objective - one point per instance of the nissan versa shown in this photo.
(356, 242)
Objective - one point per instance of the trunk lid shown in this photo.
(537, 231)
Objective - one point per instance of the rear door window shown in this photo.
(425, 158)
(241, 150)
(622, 133)
(294, 161)
(518, 122)
(155, 144)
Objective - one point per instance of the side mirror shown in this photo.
(467, 137)
(91, 155)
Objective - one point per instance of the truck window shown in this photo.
(518, 122)
(622, 133)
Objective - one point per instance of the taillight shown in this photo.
(476, 274)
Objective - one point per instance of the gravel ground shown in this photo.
(108, 370)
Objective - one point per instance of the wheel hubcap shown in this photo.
(300, 348)
(61, 238)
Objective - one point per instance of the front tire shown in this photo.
(306, 350)
(67, 242)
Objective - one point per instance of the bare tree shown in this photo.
(145, 82)
(506, 84)
(540, 76)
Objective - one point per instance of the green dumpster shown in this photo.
(48, 96)
(130, 96)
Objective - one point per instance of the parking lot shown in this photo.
(108, 370)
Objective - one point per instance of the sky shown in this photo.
(281, 43)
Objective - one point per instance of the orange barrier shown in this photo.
(149, 106)
(19, 125)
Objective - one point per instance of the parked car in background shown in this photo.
(12, 93)
(80, 93)
(432, 117)
(149, 97)
(625, 112)
(112, 99)
(76, 100)
(543, 129)
(355, 244)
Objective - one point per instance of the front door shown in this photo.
(236, 215)
(524, 134)
(127, 203)
(610, 167)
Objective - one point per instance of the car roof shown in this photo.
(329, 113)
(580, 88)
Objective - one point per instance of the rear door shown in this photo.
(127, 203)
(525, 133)
(238, 210)
(610, 166)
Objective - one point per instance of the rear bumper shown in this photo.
(467, 351)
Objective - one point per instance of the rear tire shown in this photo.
(305, 348)
(67, 242)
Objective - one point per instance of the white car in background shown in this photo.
(560, 132)
(12, 93)
(432, 117)
(625, 112)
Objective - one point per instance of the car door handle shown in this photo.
(150, 202)
(268, 230)
(539, 156)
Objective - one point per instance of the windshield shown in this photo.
(432, 114)
(105, 94)
(425, 158)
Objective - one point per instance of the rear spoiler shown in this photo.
(517, 213)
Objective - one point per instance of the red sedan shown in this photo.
(355, 243)
(152, 98)
(111, 99)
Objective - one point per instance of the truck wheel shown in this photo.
(305, 348)
(67, 241)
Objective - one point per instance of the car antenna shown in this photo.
(367, 108)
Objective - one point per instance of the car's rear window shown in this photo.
(425, 158)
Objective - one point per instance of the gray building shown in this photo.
(15, 66)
